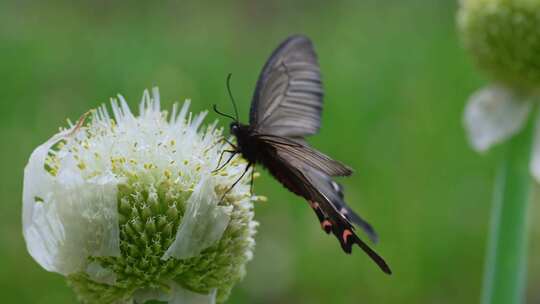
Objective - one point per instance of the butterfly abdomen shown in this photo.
(258, 152)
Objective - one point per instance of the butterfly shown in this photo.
(286, 107)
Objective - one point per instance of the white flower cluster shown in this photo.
(130, 208)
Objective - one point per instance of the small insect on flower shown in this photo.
(286, 107)
(129, 210)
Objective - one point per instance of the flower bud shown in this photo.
(504, 38)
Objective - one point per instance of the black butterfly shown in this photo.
(286, 107)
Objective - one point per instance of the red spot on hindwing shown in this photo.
(326, 226)
(345, 235)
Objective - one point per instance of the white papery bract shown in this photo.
(129, 209)
(493, 114)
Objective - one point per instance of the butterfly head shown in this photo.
(234, 128)
(239, 130)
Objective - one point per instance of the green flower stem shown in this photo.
(506, 259)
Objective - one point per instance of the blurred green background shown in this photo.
(396, 82)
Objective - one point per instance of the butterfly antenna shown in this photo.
(223, 114)
(231, 96)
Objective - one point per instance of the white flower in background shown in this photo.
(504, 38)
(129, 209)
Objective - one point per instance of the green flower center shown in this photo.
(149, 220)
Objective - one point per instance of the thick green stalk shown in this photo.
(506, 259)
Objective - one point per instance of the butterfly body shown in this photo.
(247, 145)
(286, 108)
(257, 151)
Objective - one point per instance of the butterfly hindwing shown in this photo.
(351, 215)
(329, 200)
(324, 197)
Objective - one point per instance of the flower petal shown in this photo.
(66, 218)
(36, 184)
(493, 114)
(203, 223)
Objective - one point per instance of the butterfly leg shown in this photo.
(236, 182)
(227, 162)
(221, 157)
(230, 143)
(222, 139)
(234, 151)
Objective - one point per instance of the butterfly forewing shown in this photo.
(288, 96)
